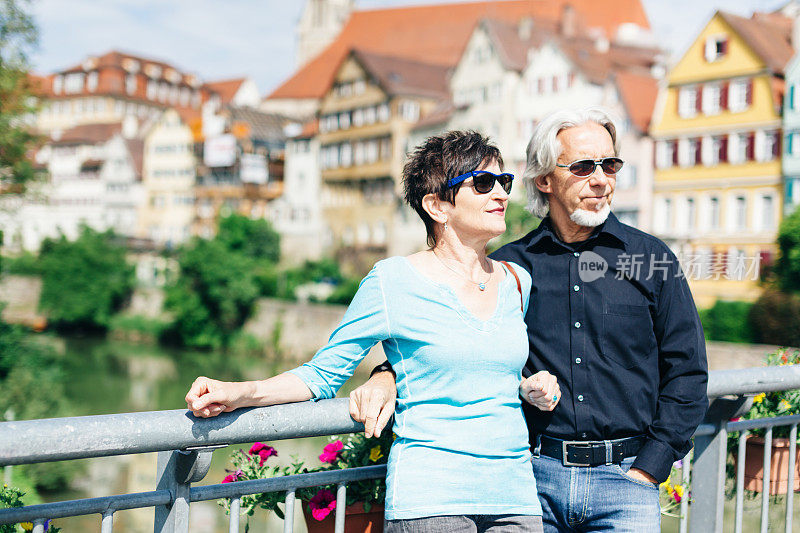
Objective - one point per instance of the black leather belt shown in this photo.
(590, 453)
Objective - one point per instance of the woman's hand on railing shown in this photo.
(541, 390)
(373, 403)
(209, 397)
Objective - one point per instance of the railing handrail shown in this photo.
(57, 439)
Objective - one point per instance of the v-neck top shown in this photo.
(462, 442)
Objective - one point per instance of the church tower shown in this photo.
(320, 23)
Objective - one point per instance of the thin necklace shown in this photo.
(481, 285)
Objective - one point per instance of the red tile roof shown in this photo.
(638, 95)
(88, 133)
(768, 34)
(226, 89)
(438, 33)
(399, 76)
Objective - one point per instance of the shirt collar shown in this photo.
(612, 226)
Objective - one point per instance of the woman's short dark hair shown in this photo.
(436, 160)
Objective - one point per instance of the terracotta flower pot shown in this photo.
(779, 466)
(356, 520)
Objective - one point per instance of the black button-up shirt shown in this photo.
(613, 319)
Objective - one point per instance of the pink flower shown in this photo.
(677, 497)
(263, 451)
(322, 504)
(330, 454)
(230, 478)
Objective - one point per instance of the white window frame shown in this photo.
(711, 97)
(687, 101)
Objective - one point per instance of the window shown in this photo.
(740, 213)
(767, 212)
(740, 149)
(716, 48)
(369, 115)
(667, 213)
(409, 110)
(383, 112)
(130, 83)
(344, 120)
(691, 213)
(739, 95)
(719, 149)
(359, 86)
(346, 155)
(687, 102)
(771, 145)
(695, 151)
(358, 117)
(386, 148)
(58, 84)
(711, 98)
(714, 212)
(73, 83)
(152, 89)
(91, 82)
(497, 91)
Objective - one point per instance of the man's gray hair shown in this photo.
(544, 149)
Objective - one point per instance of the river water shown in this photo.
(105, 376)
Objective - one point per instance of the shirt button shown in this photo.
(576, 254)
(576, 288)
(580, 397)
(577, 324)
(583, 435)
(578, 360)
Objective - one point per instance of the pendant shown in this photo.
(482, 286)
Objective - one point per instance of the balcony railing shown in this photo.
(185, 445)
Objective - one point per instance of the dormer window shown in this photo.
(91, 81)
(716, 47)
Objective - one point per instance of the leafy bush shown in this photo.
(140, 324)
(253, 238)
(775, 318)
(25, 264)
(84, 282)
(31, 378)
(728, 321)
(787, 267)
(213, 295)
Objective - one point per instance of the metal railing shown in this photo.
(185, 445)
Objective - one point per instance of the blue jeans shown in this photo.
(596, 498)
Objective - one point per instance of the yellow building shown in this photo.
(717, 127)
(365, 119)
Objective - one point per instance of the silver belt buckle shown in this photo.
(564, 458)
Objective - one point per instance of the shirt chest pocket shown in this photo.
(627, 337)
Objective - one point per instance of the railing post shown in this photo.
(708, 470)
(175, 472)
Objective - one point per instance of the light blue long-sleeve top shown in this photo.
(462, 442)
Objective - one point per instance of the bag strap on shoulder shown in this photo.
(519, 286)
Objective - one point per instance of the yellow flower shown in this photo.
(679, 490)
(784, 405)
(666, 483)
(760, 397)
(375, 453)
(27, 526)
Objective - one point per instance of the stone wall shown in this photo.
(20, 295)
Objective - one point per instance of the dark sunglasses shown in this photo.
(585, 167)
(483, 180)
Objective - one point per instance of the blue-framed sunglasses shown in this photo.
(483, 180)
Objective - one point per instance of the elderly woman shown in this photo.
(450, 320)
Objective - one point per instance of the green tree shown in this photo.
(253, 238)
(213, 296)
(787, 267)
(84, 282)
(18, 36)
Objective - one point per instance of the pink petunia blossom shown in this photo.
(265, 453)
(677, 497)
(230, 478)
(322, 504)
(257, 447)
(330, 454)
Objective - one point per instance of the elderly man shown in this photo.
(612, 317)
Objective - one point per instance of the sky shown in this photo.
(219, 39)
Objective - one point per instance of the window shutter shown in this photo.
(776, 146)
(751, 146)
(698, 153)
(791, 97)
(675, 152)
(723, 96)
(723, 47)
(699, 99)
(723, 149)
(748, 92)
